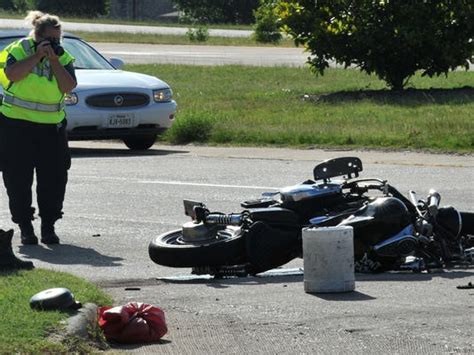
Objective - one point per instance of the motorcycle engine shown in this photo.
(385, 224)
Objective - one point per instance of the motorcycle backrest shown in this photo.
(348, 167)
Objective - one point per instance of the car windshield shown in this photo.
(85, 56)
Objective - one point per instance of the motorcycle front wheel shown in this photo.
(171, 249)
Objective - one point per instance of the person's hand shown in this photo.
(44, 49)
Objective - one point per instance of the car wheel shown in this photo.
(140, 142)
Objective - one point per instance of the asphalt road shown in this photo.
(203, 55)
(117, 200)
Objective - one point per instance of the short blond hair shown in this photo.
(40, 21)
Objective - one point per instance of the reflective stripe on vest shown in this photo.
(40, 69)
(32, 105)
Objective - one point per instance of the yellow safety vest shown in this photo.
(3, 63)
(36, 97)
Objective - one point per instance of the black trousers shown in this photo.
(24, 148)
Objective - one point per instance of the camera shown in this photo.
(57, 48)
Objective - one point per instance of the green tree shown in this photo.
(83, 8)
(391, 38)
(219, 11)
(266, 26)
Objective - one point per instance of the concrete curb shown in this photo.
(79, 324)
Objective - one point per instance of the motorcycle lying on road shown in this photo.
(391, 231)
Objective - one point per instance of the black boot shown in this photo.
(28, 236)
(8, 260)
(48, 235)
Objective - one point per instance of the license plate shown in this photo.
(120, 120)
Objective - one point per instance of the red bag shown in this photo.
(134, 322)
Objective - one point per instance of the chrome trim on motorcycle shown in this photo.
(233, 219)
(196, 232)
(401, 244)
(303, 191)
(460, 222)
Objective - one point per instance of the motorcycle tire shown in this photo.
(167, 249)
(467, 223)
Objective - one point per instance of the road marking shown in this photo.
(185, 54)
(178, 183)
(207, 185)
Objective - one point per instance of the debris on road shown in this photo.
(133, 323)
(469, 286)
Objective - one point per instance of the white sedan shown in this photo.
(110, 103)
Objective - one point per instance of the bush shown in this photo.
(193, 127)
(266, 27)
(218, 11)
(22, 6)
(392, 39)
(201, 34)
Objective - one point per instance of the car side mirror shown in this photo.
(117, 63)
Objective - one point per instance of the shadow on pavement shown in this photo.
(109, 152)
(282, 279)
(66, 254)
(234, 281)
(137, 346)
(345, 296)
(408, 276)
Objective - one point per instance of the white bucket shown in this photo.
(328, 258)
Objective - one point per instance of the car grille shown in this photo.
(118, 100)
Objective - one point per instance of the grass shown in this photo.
(282, 106)
(23, 330)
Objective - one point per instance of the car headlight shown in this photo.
(162, 95)
(71, 99)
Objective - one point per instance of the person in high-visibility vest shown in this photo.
(36, 72)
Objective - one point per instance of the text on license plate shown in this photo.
(120, 120)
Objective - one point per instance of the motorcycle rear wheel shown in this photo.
(169, 249)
